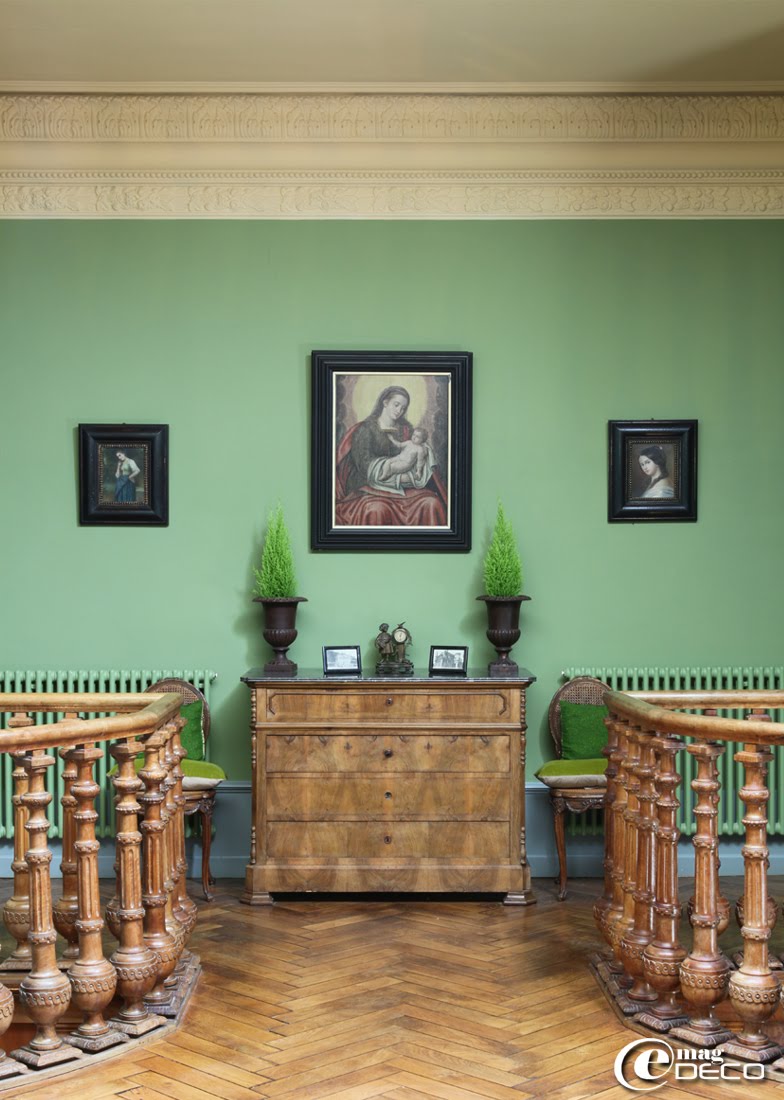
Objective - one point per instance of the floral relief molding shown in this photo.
(391, 156)
(391, 118)
(393, 195)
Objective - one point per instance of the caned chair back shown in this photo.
(189, 694)
(580, 689)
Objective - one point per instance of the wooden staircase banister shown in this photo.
(151, 913)
(654, 982)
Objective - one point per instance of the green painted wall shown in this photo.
(208, 326)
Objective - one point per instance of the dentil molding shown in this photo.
(391, 156)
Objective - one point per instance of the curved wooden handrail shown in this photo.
(651, 975)
(140, 715)
(661, 717)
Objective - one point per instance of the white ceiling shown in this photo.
(375, 44)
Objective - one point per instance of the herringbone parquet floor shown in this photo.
(402, 999)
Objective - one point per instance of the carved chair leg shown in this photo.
(205, 820)
(559, 813)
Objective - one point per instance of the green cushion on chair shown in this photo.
(573, 773)
(200, 775)
(583, 732)
(191, 735)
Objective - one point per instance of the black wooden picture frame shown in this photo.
(391, 450)
(342, 660)
(439, 665)
(124, 475)
(652, 471)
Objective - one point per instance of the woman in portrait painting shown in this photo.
(383, 477)
(125, 479)
(653, 463)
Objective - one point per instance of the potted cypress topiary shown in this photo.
(275, 587)
(503, 573)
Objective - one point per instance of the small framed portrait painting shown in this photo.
(448, 660)
(652, 470)
(124, 475)
(391, 450)
(342, 660)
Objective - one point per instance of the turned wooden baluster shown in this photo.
(174, 926)
(156, 935)
(754, 989)
(611, 772)
(16, 911)
(135, 963)
(705, 971)
(66, 908)
(631, 818)
(771, 909)
(45, 992)
(92, 977)
(641, 933)
(614, 912)
(722, 902)
(663, 956)
(185, 908)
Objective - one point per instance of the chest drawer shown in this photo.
(392, 705)
(401, 795)
(350, 751)
(387, 840)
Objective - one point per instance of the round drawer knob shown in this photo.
(390, 700)
(387, 794)
(387, 839)
(388, 753)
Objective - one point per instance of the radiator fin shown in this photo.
(82, 680)
(736, 678)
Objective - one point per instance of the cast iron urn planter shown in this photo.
(503, 630)
(280, 615)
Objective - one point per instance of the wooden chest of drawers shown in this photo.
(371, 784)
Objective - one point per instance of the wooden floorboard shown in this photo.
(400, 998)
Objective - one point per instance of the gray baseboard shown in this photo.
(584, 853)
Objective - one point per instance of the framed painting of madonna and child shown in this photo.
(391, 450)
(124, 475)
(652, 470)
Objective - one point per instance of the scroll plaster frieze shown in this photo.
(391, 118)
(393, 195)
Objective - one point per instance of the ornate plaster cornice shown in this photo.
(391, 156)
(392, 195)
(391, 118)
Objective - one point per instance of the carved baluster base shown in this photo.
(661, 1023)
(172, 1006)
(93, 1044)
(709, 1038)
(767, 1053)
(133, 1029)
(630, 1007)
(43, 1053)
(46, 1058)
(8, 1067)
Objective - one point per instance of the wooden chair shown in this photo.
(574, 785)
(201, 778)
